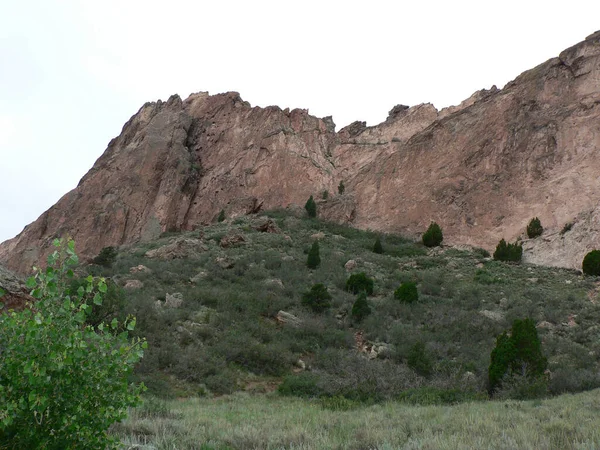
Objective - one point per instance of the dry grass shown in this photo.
(242, 421)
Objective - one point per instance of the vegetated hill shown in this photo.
(482, 169)
(222, 309)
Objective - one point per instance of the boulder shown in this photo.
(232, 240)
(133, 284)
(179, 248)
(174, 300)
(288, 319)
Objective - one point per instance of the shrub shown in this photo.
(517, 354)
(221, 216)
(567, 227)
(314, 259)
(360, 308)
(419, 360)
(433, 237)
(62, 382)
(508, 252)
(591, 263)
(534, 229)
(325, 195)
(359, 282)
(317, 299)
(311, 207)
(407, 292)
(378, 248)
(341, 188)
(300, 385)
(106, 257)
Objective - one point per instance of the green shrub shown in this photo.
(407, 292)
(378, 248)
(325, 195)
(567, 227)
(419, 360)
(591, 263)
(517, 354)
(341, 188)
(359, 282)
(62, 382)
(317, 299)
(311, 207)
(221, 216)
(534, 229)
(430, 395)
(433, 237)
(508, 252)
(314, 259)
(106, 257)
(300, 385)
(360, 308)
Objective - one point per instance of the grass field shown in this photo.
(243, 421)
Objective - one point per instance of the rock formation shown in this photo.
(16, 295)
(481, 169)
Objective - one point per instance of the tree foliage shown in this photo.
(534, 229)
(378, 248)
(591, 263)
(519, 354)
(359, 282)
(318, 298)
(341, 187)
(433, 237)
(407, 292)
(106, 257)
(314, 259)
(360, 308)
(508, 252)
(221, 216)
(62, 381)
(311, 207)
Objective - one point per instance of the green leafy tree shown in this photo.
(311, 207)
(519, 354)
(359, 282)
(407, 292)
(360, 308)
(318, 298)
(534, 229)
(508, 252)
(63, 382)
(591, 263)
(341, 187)
(378, 248)
(433, 237)
(221, 217)
(106, 257)
(314, 259)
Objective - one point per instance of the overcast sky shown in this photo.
(73, 72)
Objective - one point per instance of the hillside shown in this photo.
(481, 169)
(222, 310)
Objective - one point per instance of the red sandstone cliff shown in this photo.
(482, 169)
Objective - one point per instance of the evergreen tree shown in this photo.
(534, 229)
(377, 248)
(314, 259)
(359, 282)
(518, 354)
(311, 207)
(407, 292)
(508, 252)
(341, 188)
(433, 237)
(591, 263)
(221, 217)
(360, 308)
(317, 299)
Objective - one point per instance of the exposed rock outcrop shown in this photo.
(481, 169)
(16, 295)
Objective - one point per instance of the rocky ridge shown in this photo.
(481, 169)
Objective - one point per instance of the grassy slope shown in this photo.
(270, 421)
(225, 338)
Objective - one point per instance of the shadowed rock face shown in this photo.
(16, 295)
(481, 169)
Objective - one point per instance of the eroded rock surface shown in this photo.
(481, 169)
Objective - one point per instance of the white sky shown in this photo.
(73, 72)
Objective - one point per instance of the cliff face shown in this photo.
(482, 169)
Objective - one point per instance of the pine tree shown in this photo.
(591, 263)
(360, 308)
(377, 248)
(314, 259)
(341, 188)
(221, 217)
(534, 229)
(433, 237)
(311, 207)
